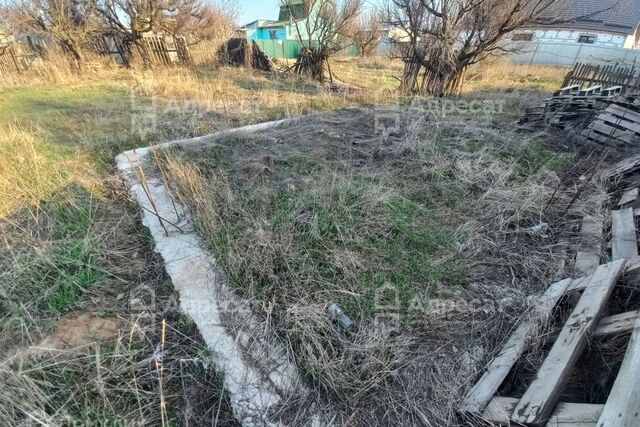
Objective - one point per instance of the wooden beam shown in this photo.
(500, 410)
(588, 256)
(628, 196)
(623, 405)
(624, 167)
(623, 234)
(611, 325)
(478, 397)
(631, 274)
(617, 324)
(538, 402)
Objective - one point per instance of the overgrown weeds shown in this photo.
(398, 229)
(156, 375)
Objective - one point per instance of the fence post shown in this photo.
(12, 53)
(534, 53)
(576, 59)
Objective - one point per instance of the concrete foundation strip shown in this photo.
(257, 372)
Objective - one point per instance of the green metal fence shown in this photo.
(291, 48)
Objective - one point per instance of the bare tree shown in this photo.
(68, 22)
(324, 28)
(198, 21)
(447, 36)
(368, 32)
(132, 19)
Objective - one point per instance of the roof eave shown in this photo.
(577, 27)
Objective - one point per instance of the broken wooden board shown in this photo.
(484, 390)
(623, 234)
(500, 410)
(628, 196)
(538, 402)
(617, 324)
(624, 167)
(623, 405)
(588, 257)
(631, 274)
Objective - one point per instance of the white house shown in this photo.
(603, 23)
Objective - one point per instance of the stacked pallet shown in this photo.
(591, 318)
(569, 107)
(617, 124)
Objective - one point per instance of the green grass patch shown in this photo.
(537, 156)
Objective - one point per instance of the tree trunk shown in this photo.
(311, 63)
(72, 48)
(437, 80)
(145, 56)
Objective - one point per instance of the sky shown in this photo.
(250, 10)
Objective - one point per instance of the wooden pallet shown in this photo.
(540, 404)
(619, 123)
(569, 105)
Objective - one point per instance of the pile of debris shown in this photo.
(595, 118)
(616, 125)
(238, 52)
(570, 107)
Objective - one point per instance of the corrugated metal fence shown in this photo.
(291, 48)
(569, 54)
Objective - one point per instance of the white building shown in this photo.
(602, 23)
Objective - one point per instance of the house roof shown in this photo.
(259, 22)
(274, 24)
(610, 16)
(295, 9)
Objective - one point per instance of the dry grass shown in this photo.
(501, 74)
(148, 376)
(70, 242)
(322, 211)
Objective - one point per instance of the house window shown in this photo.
(273, 34)
(522, 37)
(587, 39)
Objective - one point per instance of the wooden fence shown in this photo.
(599, 75)
(18, 57)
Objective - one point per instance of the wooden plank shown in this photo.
(623, 112)
(588, 256)
(623, 405)
(631, 274)
(625, 136)
(482, 392)
(623, 234)
(628, 196)
(619, 122)
(542, 395)
(624, 167)
(500, 410)
(616, 324)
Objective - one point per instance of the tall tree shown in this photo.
(68, 22)
(324, 28)
(367, 33)
(132, 19)
(447, 36)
